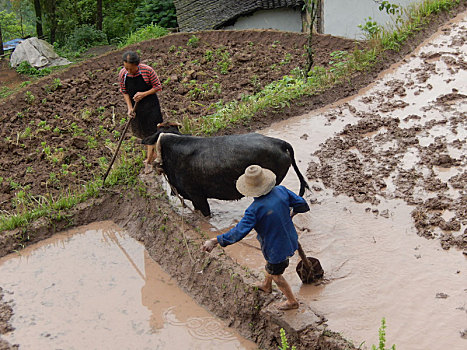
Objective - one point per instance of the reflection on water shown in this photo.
(96, 288)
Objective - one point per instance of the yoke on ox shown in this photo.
(208, 167)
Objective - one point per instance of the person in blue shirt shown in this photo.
(269, 215)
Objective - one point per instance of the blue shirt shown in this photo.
(269, 215)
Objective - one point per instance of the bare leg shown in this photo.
(266, 285)
(149, 159)
(151, 154)
(292, 302)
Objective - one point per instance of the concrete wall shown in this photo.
(282, 19)
(342, 17)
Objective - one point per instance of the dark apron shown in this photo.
(148, 111)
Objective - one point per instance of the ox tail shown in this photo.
(303, 183)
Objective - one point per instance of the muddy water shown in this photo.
(376, 265)
(96, 288)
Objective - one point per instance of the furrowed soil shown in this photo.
(60, 132)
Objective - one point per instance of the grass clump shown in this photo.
(149, 32)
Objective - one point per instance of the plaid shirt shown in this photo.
(149, 76)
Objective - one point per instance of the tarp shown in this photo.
(38, 53)
(11, 45)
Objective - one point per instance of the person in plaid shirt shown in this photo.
(139, 83)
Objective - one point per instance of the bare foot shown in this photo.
(147, 168)
(287, 305)
(263, 288)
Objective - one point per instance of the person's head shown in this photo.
(131, 61)
(256, 181)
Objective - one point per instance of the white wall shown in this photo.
(282, 19)
(342, 17)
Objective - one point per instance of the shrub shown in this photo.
(85, 36)
(149, 32)
(160, 12)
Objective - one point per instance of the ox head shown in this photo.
(164, 127)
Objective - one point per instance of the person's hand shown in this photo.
(138, 96)
(209, 245)
(131, 113)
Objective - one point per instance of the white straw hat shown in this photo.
(256, 181)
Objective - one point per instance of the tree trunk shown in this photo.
(37, 8)
(53, 20)
(99, 15)
(312, 8)
(1, 42)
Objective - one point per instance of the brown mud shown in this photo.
(173, 240)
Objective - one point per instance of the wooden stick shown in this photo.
(118, 146)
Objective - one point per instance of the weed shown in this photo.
(339, 62)
(382, 338)
(284, 343)
(370, 28)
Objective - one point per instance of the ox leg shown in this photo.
(201, 204)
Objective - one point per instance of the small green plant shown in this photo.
(208, 55)
(275, 43)
(339, 61)
(29, 97)
(76, 130)
(225, 62)
(370, 27)
(286, 59)
(382, 338)
(86, 113)
(284, 343)
(193, 41)
(92, 142)
(26, 133)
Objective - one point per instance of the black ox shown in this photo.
(208, 167)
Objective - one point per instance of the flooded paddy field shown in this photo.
(95, 287)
